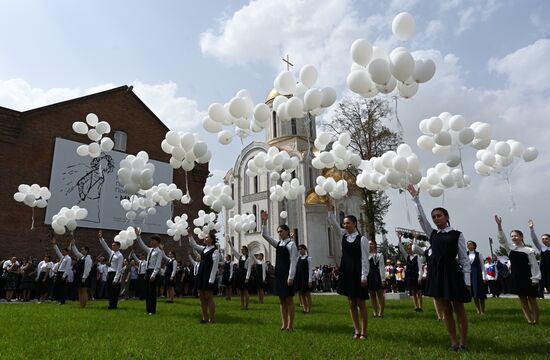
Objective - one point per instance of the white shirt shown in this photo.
(115, 262)
(292, 250)
(142, 264)
(247, 261)
(260, 263)
(42, 267)
(102, 269)
(462, 249)
(419, 259)
(64, 262)
(154, 257)
(215, 257)
(510, 246)
(379, 259)
(351, 238)
(88, 262)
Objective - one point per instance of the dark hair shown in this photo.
(352, 218)
(245, 247)
(87, 249)
(117, 242)
(444, 211)
(284, 227)
(547, 235)
(173, 254)
(157, 238)
(374, 242)
(474, 243)
(520, 233)
(212, 234)
(302, 246)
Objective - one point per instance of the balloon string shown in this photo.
(407, 207)
(186, 184)
(513, 202)
(461, 165)
(32, 219)
(397, 115)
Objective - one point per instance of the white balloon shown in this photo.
(401, 65)
(424, 70)
(359, 82)
(386, 89)
(107, 144)
(399, 163)
(82, 150)
(361, 52)
(312, 99)
(103, 127)
(488, 158)
(262, 113)
(212, 126)
(530, 154)
(483, 131)
(407, 91)
(443, 138)
(295, 107)
(285, 83)
(80, 127)
(93, 135)
(217, 112)
(92, 119)
(403, 26)
(328, 97)
(379, 71)
(502, 148)
(457, 122)
(237, 107)
(308, 75)
(453, 160)
(225, 137)
(435, 124)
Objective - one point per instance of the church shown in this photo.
(307, 216)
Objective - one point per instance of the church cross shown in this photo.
(288, 63)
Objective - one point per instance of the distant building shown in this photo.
(27, 145)
(307, 215)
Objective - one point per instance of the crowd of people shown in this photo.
(450, 270)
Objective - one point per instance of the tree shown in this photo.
(388, 250)
(364, 120)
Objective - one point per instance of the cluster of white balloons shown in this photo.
(442, 177)
(290, 189)
(240, 112)
(300, 97)
(242, 223)
(33, 196)
(446, 131)
(339, 156)
(394, 169)
(205, 223)
(373, 71)
(144, 205)
(186, 149)
(96, 131)
(218, 197)
(126, 237)
(67, 218)
(327, 185)
(136, 173)
(273, 160)
(501, 154)
(178, 227)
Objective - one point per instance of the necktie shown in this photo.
(149, 257)
(111, 259)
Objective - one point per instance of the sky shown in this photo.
(181, 56)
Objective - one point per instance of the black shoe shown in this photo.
(453, 348)
(463, 348)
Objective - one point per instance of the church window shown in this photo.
(255, 212)
(293, 125)
(329, 237)
(342, 216)
(256, 184)
(274, 119)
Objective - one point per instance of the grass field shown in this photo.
(49, 331)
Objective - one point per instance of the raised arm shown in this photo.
(422, 219)
(74, 249)
(310, 272)
(464, 259)
(401, 247)
(233, 251)
(194, 244)
(364, 259)
(215, 260)
(483, 270)
(502, 239)
(133, 255)
(534, 236)
(140, 241)
(57, 252)
(265, 234)
(104, 245)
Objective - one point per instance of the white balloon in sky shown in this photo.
(403, 26)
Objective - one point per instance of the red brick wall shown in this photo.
(27, 159)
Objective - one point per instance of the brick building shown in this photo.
(26, 153)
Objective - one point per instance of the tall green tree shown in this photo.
(366, 121)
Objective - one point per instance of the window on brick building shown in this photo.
(120, 139)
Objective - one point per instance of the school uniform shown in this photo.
(60, 287)
(477, 275)
(285, 263)
(304, 274)
(83, 268)
(170, 272)
(42, 275)
(244, 270)
(448, 277)
(524, 270)
(544, 260)
(142, 270)
(354, 264)
(208, 267)
(227, 273)
(154, 260)
(376, 271)
(413, 269)
(114, 274)
(426, 253)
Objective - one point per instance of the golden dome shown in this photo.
(313, 199)
(337, 175)
(271, 95)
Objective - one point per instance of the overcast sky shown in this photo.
(491, 55)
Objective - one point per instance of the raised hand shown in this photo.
(329, 204)
(398, 233)
(264, 216)
(530, 223)
(100, 234)
(53, 241)
(498, 220)
(415, 236)
(413, 191)
(137, 231)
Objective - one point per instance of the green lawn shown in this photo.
(49, 331)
